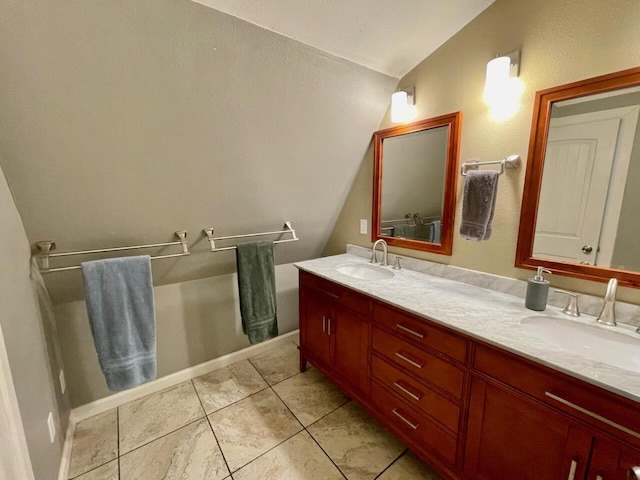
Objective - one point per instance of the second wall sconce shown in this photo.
(403, 105)
(502, 88)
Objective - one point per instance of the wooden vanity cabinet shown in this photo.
(334, 332)
(528, 422)
(472, 410)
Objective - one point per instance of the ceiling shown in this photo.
(390, 37)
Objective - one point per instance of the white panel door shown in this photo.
(575, 184)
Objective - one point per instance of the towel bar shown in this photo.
(212, 240)
(512, 161)
(45, 248)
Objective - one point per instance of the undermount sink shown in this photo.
(364, 272)
(592, 341)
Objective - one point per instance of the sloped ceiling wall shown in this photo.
(121, 122)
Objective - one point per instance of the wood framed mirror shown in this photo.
(414, 183)
(581, 195)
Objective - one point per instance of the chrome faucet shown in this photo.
(374, 254)
(608, 314)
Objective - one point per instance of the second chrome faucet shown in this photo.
(608, 314)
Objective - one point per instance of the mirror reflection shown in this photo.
(591, 182)
(413, 183)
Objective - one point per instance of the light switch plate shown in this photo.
(363, 226)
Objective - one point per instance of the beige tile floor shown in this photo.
(258, 419)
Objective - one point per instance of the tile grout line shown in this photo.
(402, 454)
(215, 437)
(118, 439)
(162, 436)
(304, 428)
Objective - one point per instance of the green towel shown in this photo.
(257, 288)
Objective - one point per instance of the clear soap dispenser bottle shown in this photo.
(537, 291)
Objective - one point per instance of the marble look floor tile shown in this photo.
(223, 387)
(359, 445)
(95, 442)
(299, 458)
(190, 453)
(105, 472)
(310, 396)
(148, 418)
(278, 364)
(409, 467)
(252, 426)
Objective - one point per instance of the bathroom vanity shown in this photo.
(450, 369)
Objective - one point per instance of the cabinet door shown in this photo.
(350, 355)
(612, 461)
(509, 437)
(314, 324)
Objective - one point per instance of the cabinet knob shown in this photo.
(634, 473)
(587, 249)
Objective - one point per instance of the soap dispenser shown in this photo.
(537, 291)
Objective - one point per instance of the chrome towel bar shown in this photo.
(45, 247)
(288, 228)
(512, 161)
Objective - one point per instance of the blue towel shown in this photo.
(119, 295)
(434, 236)
(257, 289)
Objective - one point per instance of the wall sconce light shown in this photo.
(502, 87)
(403, 105)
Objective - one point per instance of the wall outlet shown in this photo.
(363, 226)
(63, 384)
(52, 427)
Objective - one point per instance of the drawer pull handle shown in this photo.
(399, 415)
(598, 477)
(405, 390)
(572, 470)
(593, 415)
(329, 325)
(409, 331)
(408, 360)
(324, 324)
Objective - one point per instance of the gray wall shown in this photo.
(123, 121)
(31, 341)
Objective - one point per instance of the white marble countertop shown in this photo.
(487, 315)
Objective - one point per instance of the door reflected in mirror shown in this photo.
(415, 182)
(579, 211)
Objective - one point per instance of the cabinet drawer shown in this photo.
(562, 392)
(414, 359)
(416, 393)
(419, 331)
(426, 434)
(348, 298)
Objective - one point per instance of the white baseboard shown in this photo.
(65, 461)
(112, 401)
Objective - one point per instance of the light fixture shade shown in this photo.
(498, 74)
(399, 105)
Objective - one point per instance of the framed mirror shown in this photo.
(582, 186)
(414, 183)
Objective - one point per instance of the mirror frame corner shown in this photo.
(543, 103)
(454, 122)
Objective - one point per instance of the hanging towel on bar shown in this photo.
(434, 235)
(257, 289)
(119, 296)
(478, 204)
